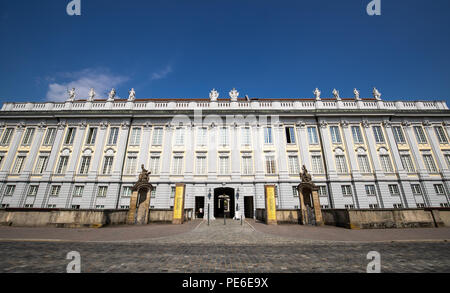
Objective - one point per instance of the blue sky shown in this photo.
(263, 48)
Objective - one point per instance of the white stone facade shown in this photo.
(363, 153)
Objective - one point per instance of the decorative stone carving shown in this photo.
(212, 125)
(147, 125)
(112, 96)
(356, 93)
(445, 123)
(131, 95)
(406, 123)
(336, 94)
(323, 124)
(125, 125)
(61, 125)
(317, 94)
(2, 124)
(387, 123)
(92, 95)
(366, 124)
(213, 95)
(71, 95)
(427, 123)
(82, 125)
(344, 123)
(103, 124)
(42, 125)
(21, 125)
(301, 124)
(376, 94)
(234, 95)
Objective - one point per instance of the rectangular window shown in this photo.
(386, 164)
(28, 137)
(373, 206)
(41, 164)
(429, 163)
(154, 164)
(270, 164)
(157, 136)
(74, 206)
(62, 165)
(78, 191)
(85, 163)
(290, 135)
(131, 164)
(294, 167)
(268, 135)
(416, 190)
(172, 192)
(323, 191)
(247, 165)
(246, 138)
(32, 190)
(113, 135)
(223, 136)
(135, 138)
(179, 136)
(364, 165)
(447, 159)
(398, 135)
(153, 193)
(317, 165)
(201, 165)
(107, 165)
(1, 160)
(294, 191)
(370, 190)
(70, 135)
(393, 189)
(357, 136)
(335, 134)
(50, 136)
(312, 135)
(440, 133)
(407, 163)
(341, 164)
(439, 188)
(398, 206)
(102, 190)
(420, 135)
(9, 190)
(224, 165)
(18, 165)
(126, 191)
(100, 206)
(378, 134)
(7, 135)
(54, 191)
(92, 134)
(177, 165)
(346, 190)
(202, 134)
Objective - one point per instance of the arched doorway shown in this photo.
(224, 202)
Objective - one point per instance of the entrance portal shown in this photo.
(199, 205)
(248, 206)
(224, 202)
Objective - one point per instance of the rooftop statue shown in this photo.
(356, 92)
(317, 94)
(234, 95)
(376, 94)
(213, 95)
(305, 176)
(71, 95)
(91, 95)
(112, 95)
(131, 95)
(336, 94)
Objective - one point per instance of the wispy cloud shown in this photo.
(102, 80)
(162, 73)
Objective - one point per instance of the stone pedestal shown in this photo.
(139, 205)
(178, 204)
(309, 203)
(271, 207)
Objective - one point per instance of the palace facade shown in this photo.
(362, 153)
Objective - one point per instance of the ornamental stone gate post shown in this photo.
(309, 200)
(140, 200)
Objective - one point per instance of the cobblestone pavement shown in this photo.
(224, 248)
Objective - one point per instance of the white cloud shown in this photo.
(162, 73)
(99, 79)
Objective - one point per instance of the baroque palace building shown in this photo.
(362, 153)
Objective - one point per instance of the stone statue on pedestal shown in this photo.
(317, 94)
(305, 176)
(376, 94)
(71, 95)
(132, 95)
(91, 95)
(143, 176)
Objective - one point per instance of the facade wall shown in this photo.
(173, 137)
